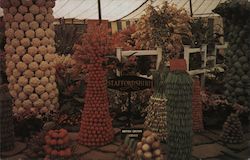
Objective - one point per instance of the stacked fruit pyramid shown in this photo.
(179, 106)
(232, 130)
(57, 145)
(96, 124)
(197, 107)
(156, 119)
(149, 147)
(237, 21)
(29, 48)
(6, 120)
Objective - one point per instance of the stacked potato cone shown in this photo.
(197, 107)
(29, 48)
(149, 147)
(156, 119)
(96, 125)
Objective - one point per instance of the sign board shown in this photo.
(135, 133)
(130, 83)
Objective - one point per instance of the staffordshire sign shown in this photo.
(129, 83)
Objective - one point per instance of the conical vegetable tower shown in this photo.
(179, 108)
(197, 106)
(96, 125)
(237, 26)
(232, 130)
(29, 48)
(156, 119)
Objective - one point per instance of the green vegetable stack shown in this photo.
(179, 106)
(237, 22)
(232, 130)
(156, 119)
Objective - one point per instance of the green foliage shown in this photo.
(70, 93)
(66, 36)
(179, 119)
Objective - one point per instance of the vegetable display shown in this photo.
(232, 130)
(237, 27)
(6, 120)
(149, 147)
(57, 145)
(29, 48)
(179, 91)
(96, 125)
(197, 107)
(156, 119)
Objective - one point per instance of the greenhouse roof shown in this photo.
(124, 9)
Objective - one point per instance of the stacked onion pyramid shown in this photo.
(29, 32)
(149, 147)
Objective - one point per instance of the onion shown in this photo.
(150, 139)
(145, 147)
(139, 145)
(155, 145)
(157, 152)
(139, 152)
(148, 155)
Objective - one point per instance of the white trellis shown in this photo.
(202, 70)
(158, 52)
(217, 48)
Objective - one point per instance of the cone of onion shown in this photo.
(57, 145)
(29, 48)
(149, 147)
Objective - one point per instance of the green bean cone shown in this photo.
(179, 118)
